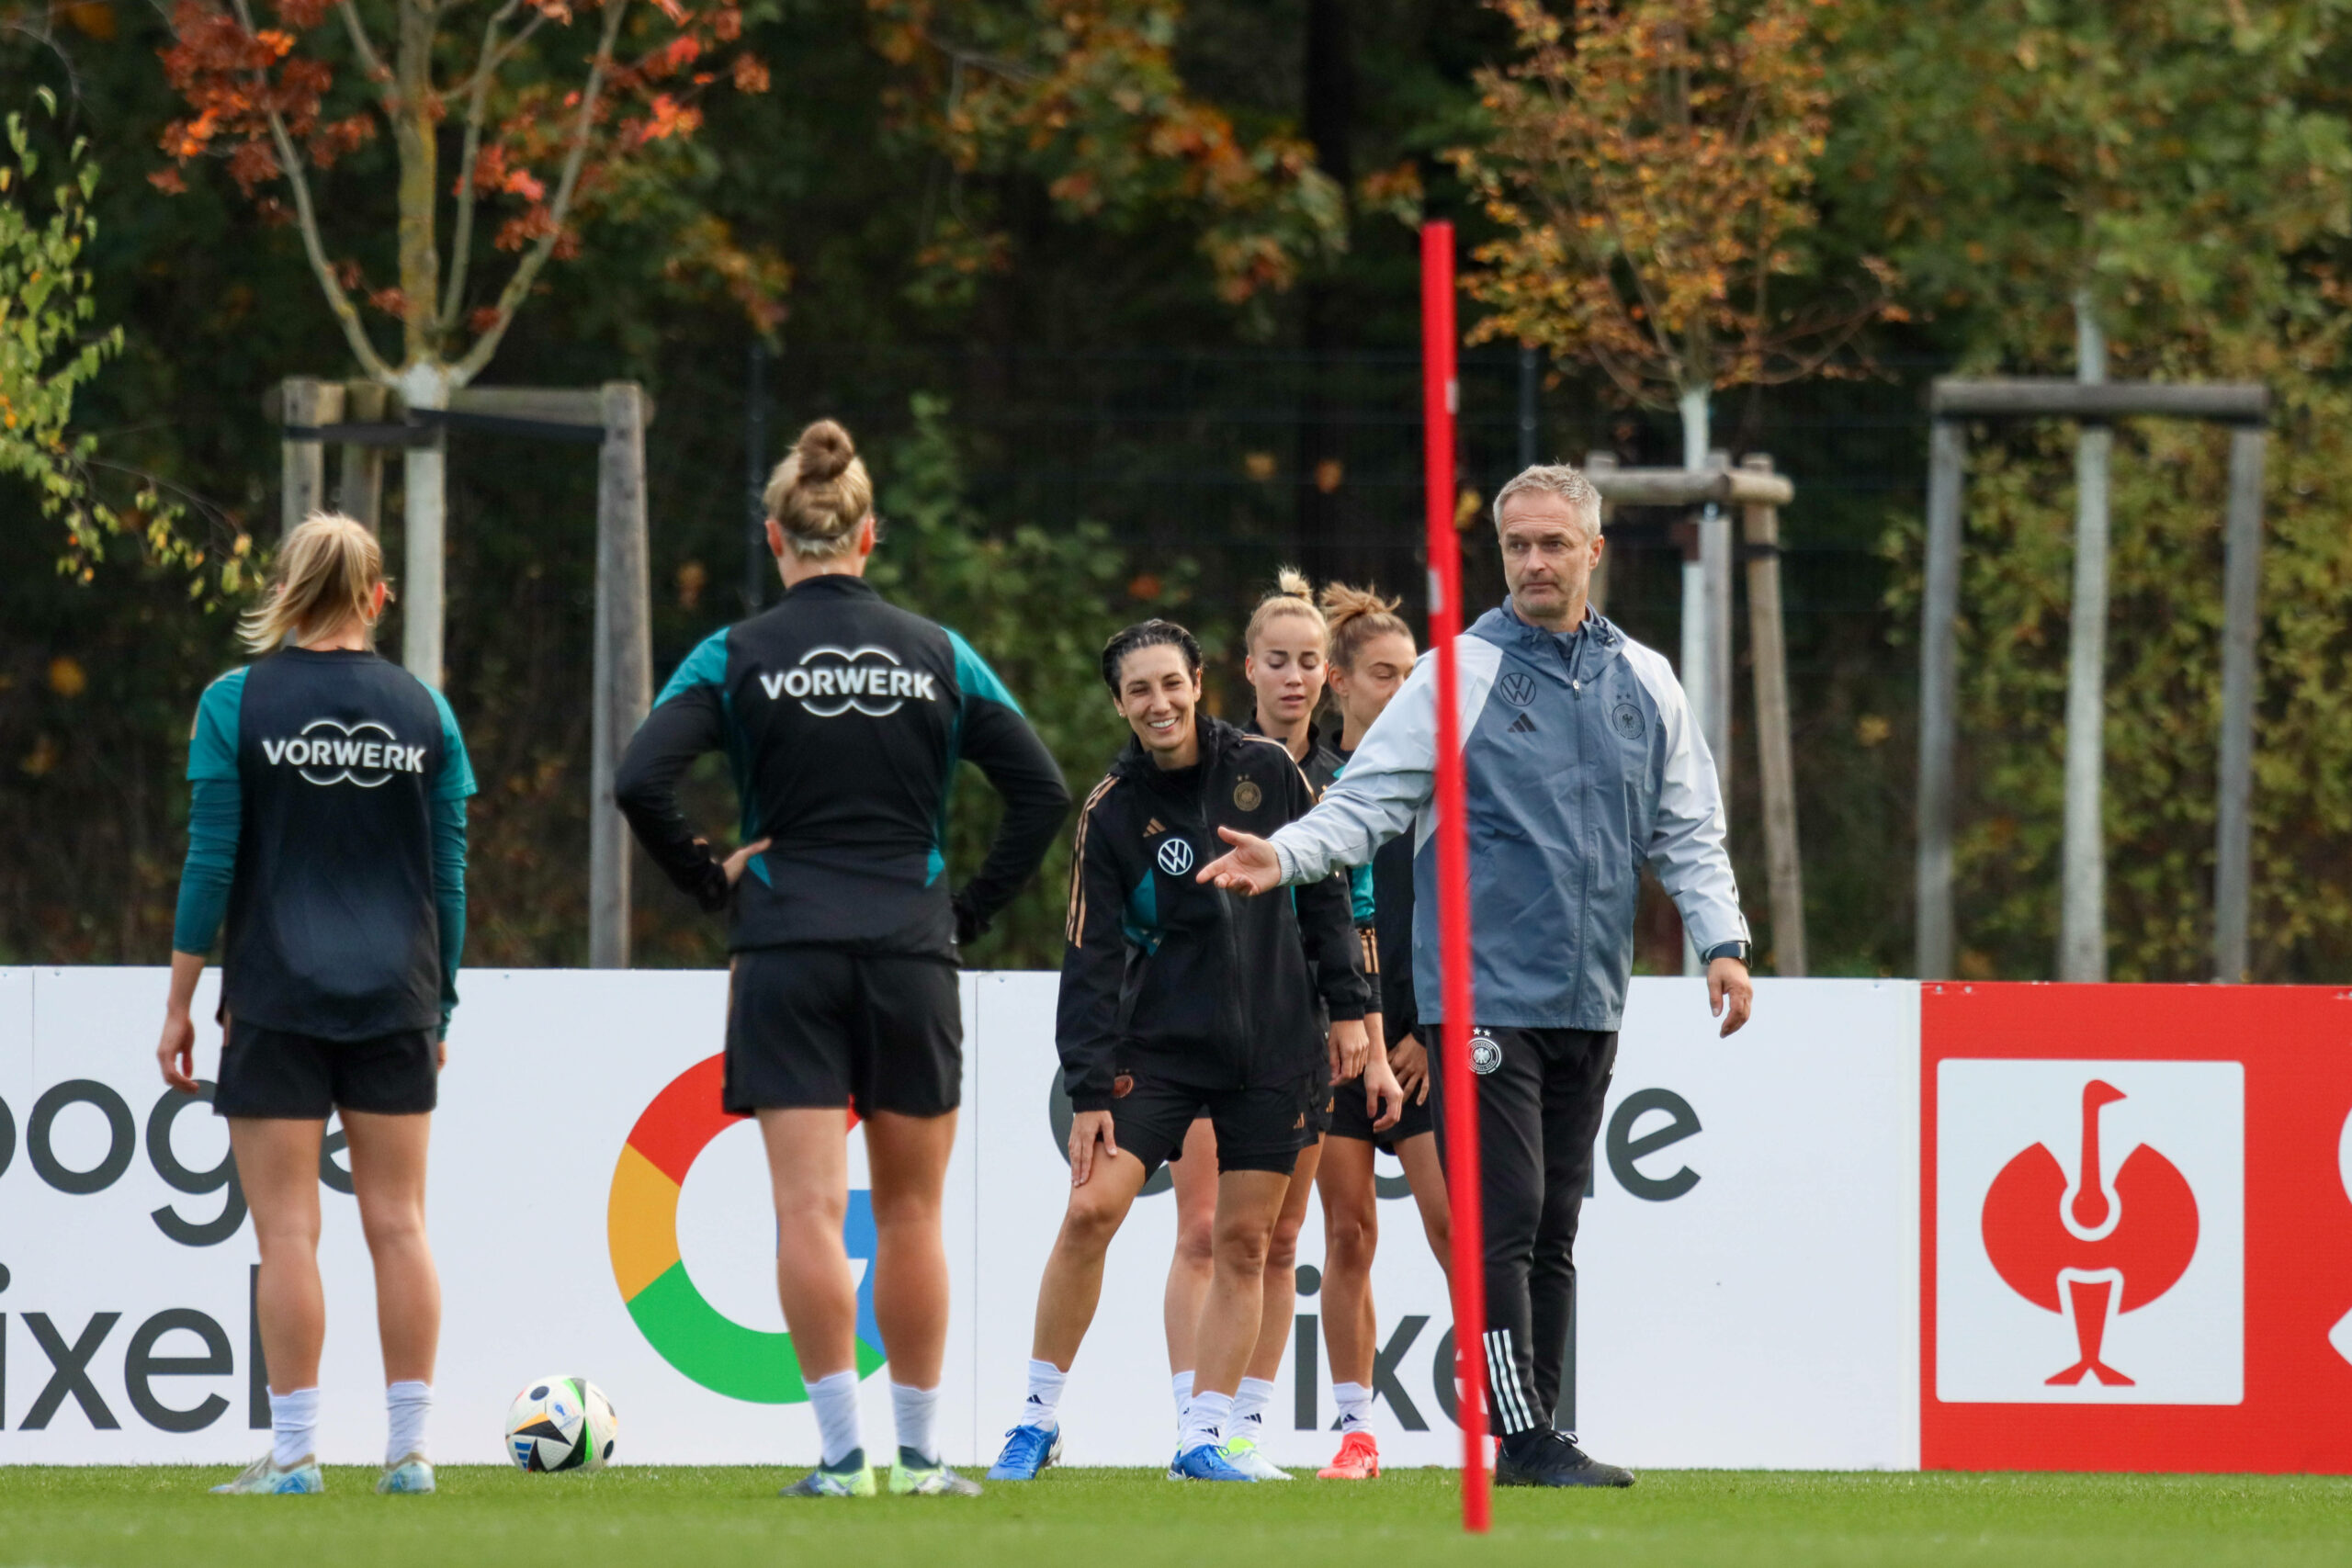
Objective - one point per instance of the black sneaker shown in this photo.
(1546, 1457)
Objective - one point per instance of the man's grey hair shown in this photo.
(1554, 479)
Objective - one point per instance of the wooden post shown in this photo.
(305, 404)
(1939, 698)
(624, 663)
(2234, 825)
(359, 479)
(424, 514)
(2082, 925)
(1596, 464)
(1776, 756)
(1715, 554)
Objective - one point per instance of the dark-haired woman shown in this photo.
(1175, 1000)
(845, 718)
(1285, 664)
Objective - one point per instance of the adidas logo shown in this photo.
(1154, 826)
(1523, 724)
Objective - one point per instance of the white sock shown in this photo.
(834, 1398)
(1250, 1404)
(1355, 1405)
(1045, 1381)
(914, 1407)
(406, 1405)
(1205, 1421)
(1181, 1385)
(293, 1426)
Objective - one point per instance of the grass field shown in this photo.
(160, 1518)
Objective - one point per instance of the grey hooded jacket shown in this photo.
(1583, 762)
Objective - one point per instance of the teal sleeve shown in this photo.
(213, 818)
(215, 814)
(456, 780)
(973, 676)
(706, 666)
(1360, 898)
(449, 892)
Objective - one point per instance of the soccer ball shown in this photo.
(561, 1423)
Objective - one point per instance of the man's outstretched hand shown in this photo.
(1250, 867)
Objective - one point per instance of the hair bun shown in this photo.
(825, 452)
(1292, 583)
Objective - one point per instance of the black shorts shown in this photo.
(277, 1073)
(1257, 1129)
(1348, 1119)
(813, 1028)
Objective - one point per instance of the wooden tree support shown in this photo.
(1952, 402)
(363, 419)
(1759, 493)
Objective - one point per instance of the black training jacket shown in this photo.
(843, 718)
(1165, 974)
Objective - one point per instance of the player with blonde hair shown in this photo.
(845, 718)
(328, 833)
(1371, 655)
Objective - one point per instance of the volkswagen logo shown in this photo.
(1175, 856)
(1518, 688)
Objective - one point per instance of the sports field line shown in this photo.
(720, 1518)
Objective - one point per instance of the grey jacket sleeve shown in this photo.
(1686, 847)
(1387, 784)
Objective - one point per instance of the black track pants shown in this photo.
(1539, 1097)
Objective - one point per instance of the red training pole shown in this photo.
(1440, 393)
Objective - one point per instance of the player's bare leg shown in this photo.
(1248, 1202)
(1426, 1172)
(1351, 1239)
(808, 1177)
(387, 1165)
(908, 1157)
(1072, 1285)
(1277, 1304)
(277, 1168)
(1189, 1270)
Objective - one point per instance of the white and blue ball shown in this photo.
(561, 1423)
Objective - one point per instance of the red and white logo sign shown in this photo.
(2090, 1232)
(2135, 1227)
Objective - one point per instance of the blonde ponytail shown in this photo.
(820, 494)
(1355, 617)
(326, 575)
(1293, 596)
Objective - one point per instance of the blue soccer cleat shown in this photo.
(266, 1478)
(1027, 1450)
(1204, 1461)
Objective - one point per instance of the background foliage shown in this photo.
(1114, 295)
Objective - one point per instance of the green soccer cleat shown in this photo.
(412, 1477)
(1243, 1455)
(848, 1479)
(915, 1476)
(264, 1479)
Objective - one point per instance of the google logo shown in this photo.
(642, 1225)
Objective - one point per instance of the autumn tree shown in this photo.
(1650, 164)
(551, 112)
(1085, 96)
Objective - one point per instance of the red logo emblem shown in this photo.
(2110, 1251)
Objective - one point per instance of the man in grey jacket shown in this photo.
(1584, 763)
